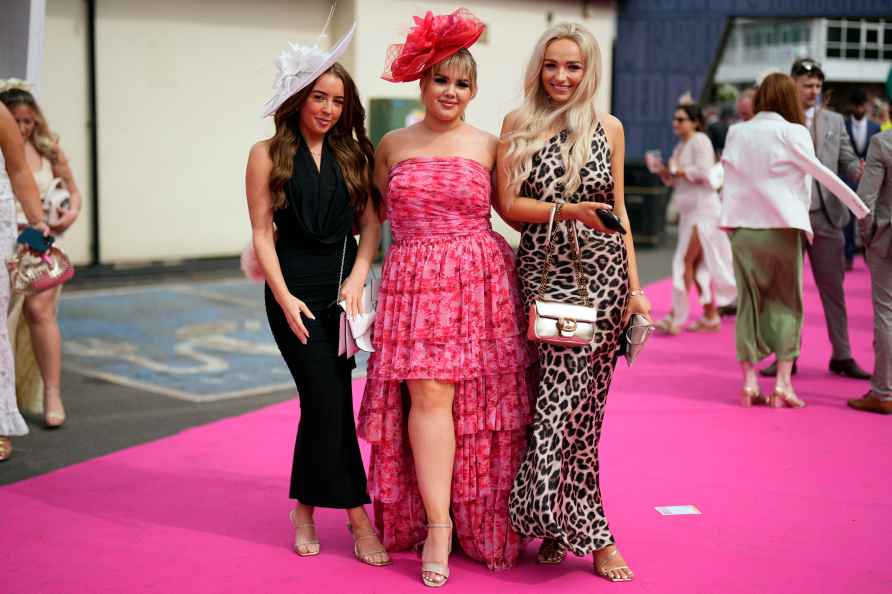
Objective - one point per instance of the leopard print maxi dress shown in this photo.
(555, 493)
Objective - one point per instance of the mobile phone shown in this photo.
(611, 221)
(35, 240)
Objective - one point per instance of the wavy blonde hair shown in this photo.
(536, 116)
(44, 140)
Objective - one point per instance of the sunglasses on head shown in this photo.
(807, 67)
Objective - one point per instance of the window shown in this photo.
(859, 39)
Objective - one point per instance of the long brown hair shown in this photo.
(777, 93)
(347, 138)
(43, 139)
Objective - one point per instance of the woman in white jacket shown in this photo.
(769, 162)
(703, 253)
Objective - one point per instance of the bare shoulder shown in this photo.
(509, 124)
(59, 156)
(259, 155)
(612, 126)
(481, 137)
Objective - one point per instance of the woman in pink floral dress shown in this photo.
(446, 403)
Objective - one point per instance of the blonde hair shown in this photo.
(536, 116)
(44, 140)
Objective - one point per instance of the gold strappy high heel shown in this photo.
(430, 569)
(750, 396)
(610, 574)
(304, 548)
(5, 448)
(367, 557)
(782, 398)
(551, 552)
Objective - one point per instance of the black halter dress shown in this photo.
(327, 470)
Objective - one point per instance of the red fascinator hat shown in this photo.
(433, 39)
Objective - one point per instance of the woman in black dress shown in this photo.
(307, 187)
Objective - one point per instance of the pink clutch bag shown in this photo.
(34, 272)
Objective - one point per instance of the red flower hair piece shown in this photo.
(433, 39)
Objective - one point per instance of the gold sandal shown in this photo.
(551, 552)
(706, 325)
(750, 396)
(5, 449)
(429, 569)
(667, 326)
(609, 573)
(367, 557)
(304, 548)
(782, 398)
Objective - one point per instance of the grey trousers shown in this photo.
(881, 285)
(827, 256)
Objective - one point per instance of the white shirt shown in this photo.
(769, 164)
(810, 117)
(859, 134)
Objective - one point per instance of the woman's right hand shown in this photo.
(585, 212)
(293, 308)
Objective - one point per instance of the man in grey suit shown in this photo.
(876, 234)
(828, 216)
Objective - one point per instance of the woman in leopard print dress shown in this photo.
(556, 148)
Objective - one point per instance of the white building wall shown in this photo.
(64, 99)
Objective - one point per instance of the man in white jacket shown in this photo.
(828, 216)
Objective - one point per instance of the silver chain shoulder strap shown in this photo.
(577, 255)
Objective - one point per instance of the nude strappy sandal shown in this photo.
(304, 548)
(611, 574)
(367, 557)
(781, 398)
(551, 552)
(440, 570)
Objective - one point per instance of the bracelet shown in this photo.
(557, 211)
(636, 292)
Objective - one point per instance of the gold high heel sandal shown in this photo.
(5, 449)
(783, 399)
(367, 557)
(750, 396)
(610, 573)
(551, 552)
(304, 548)
(429, 569)
(52, 419)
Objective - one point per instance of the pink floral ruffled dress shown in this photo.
(449, 309)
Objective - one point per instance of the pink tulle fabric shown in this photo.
(448, 309)
(433, 39)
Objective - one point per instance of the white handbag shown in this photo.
(564, 324)
(355, 333)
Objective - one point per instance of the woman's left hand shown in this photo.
(351, 292)
(65, 221)
(639, 304)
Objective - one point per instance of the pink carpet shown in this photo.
(793, 501)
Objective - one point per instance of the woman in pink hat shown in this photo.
(446, 403)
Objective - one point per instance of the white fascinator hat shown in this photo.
(299, 65)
